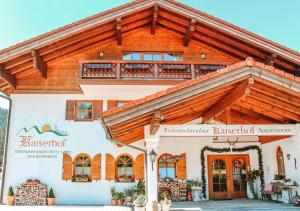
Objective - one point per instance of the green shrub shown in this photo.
(51, 194)
(10, 191)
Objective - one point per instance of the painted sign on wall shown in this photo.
(227, 130)
(43, 140)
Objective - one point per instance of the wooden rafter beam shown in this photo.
(270, 59)
(189, 32)
(38, 63)
(154, 19)
(241, 91)
(119, 31)
(268, 139)
(7, 77)
(228, 115)
(155, 122)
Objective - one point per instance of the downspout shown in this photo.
(4, 96)
(109, 137)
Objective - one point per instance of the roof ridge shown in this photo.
(250, 62)
(31, 40)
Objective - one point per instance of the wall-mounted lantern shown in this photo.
(152, 156)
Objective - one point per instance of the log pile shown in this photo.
(31, 193)
(176, 188)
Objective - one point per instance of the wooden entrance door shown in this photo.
(227, 176)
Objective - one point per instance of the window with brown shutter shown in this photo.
(67, 167)
(111, 104)
(110, 167)
(116, 103)
(97, 108)
(139, 165)
(70, 106)
(83, 110)
(96, 167)
(181, 167)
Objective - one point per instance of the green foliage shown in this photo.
(129, 192)
(10, 191)
(120, 196)
(140, 201)
(195, 183)
(3, 120)
(51, 193)
(113, 193)
(140, 187)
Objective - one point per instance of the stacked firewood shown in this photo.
(31, 193)
(176, 188)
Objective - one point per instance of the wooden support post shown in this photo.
(189, 33)
(154, 19)
(155, 122)
(241, 91)
(155, 71)
(270, 59)
(38, 63)
(119, 31)
(193, 74)
(7, 77)
(118, 70)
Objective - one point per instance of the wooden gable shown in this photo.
(34, 61)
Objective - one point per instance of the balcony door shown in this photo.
(227, 176)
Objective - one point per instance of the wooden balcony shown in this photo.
(101, 70)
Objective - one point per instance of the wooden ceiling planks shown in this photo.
(256, 108)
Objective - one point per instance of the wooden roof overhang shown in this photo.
(32, 57)
(247, 92)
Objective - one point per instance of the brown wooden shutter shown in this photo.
(110, 168)
(97, 108)
(181, 167)
(96, 167)
(67, 167)
(70, 107)
(112, 104)
(139, 166)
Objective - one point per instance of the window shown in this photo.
(82, 168)
(84, 111)
(280, 162)
(173, 57)
(125, 168)
(167, 166)
(152, 56)
(132, 56)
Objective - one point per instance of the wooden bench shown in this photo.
(270, 189)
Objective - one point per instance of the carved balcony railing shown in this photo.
(144, 70)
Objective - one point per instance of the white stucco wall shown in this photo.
(89, 137)
(289, 146)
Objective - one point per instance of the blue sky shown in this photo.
(24, 19)
(275, 20)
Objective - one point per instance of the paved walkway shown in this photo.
(228, 205)
(232, 205)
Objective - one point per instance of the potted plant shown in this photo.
(113, 196)
(189, 191)
(196, 187)
(251, 177)
(120, 198)
(139, 203)
(10, 196)
(128, 196)
(51, 197)
(165, 201)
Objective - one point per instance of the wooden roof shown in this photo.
(247, 92)
(35, 55)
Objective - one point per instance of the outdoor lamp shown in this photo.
(203, 56)
(152, 156)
